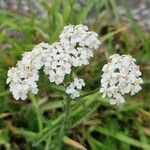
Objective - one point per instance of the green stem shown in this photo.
(88, 93)
(59, 88)
(55, 124)
(65, 119)
(48, 143)
(35, 104)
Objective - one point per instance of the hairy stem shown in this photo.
(35, 104)
(65, 119)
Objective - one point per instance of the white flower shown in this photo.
(120, 76)
(57, 63)
(74, 49)
(73, 88)
(22, 78)
(79, 43)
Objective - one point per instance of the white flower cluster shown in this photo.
(120, 76)
(75, 47)
(79, 43)
(74, 87)
(23, 77)
(57, 63)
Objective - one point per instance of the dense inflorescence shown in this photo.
(75, 48)
(22, 78)
(74, 87)
(120, 76)
(57, 63)
(79, 43)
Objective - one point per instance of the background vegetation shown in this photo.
(39, 122)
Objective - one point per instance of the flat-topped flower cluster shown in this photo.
(74, 48)
(24, 76)
(120, 76)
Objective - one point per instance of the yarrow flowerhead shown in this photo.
(22, 78)
(79, 43)
(120, 76)
(74, 87)
(74, 49)
(57, 63)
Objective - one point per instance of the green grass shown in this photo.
(39, 122)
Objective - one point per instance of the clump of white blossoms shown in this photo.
(120, 76)
(22, 78)
(79, 43)
(74, 87)
(75, 47)
(57, 63)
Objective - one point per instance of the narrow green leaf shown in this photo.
(121, 137)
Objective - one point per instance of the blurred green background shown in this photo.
(123, 27)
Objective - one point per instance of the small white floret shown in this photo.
(74, 87)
